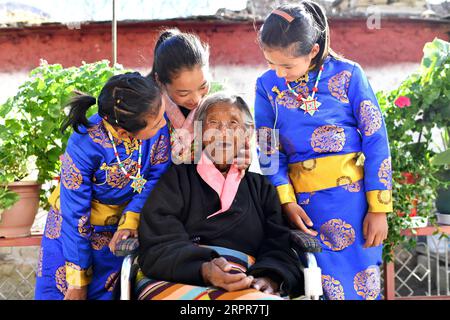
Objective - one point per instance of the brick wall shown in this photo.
(398, 40)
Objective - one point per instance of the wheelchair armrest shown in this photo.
(304, 242)
(127, 247)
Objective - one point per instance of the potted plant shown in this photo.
(37, 109)
(19, 199)
(30, 126)
(414, 112)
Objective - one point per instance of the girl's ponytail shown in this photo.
(305, 26)
(125, 101)
(175, 51)
(166, 34)
(319, 16)
(79, 105)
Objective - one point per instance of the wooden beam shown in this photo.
(389, 281)
(427, 231)
(30, 241)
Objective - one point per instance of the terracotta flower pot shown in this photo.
(18, 220)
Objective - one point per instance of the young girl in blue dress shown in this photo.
(323, 144)
(111, 163)
(181, 68)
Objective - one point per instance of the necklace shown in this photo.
(310, 104)
(138, 181)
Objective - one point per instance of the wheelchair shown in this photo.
(303, 245)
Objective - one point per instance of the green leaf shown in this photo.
(40, 85)
(6, 108)
(7, 199)
(13, 125)
(442, 158)
(426, 62)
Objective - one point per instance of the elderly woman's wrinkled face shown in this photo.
(223, 133)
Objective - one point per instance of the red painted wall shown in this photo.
(398, 40)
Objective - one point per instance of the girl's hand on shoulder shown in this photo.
(298, 217)
(119, 235)
(375, 229)
(244, 158)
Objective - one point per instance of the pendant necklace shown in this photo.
(138, 181)
(310, 104)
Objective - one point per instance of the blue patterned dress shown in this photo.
(335, 164)
(93, 200)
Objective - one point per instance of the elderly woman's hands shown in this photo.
(217, 273)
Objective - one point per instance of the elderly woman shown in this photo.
(207, 233)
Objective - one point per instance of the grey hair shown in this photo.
(229, 98)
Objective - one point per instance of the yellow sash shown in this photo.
(101, 214)
(327, 172)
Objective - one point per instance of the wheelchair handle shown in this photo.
(127, 247)
(304, 242)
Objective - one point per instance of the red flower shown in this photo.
(410, 178)
(402, 102)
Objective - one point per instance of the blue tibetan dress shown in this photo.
(335, 164)
(95, 199)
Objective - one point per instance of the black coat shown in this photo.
(174, 217)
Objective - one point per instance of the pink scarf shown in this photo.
(183, 135)
(226, 188)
